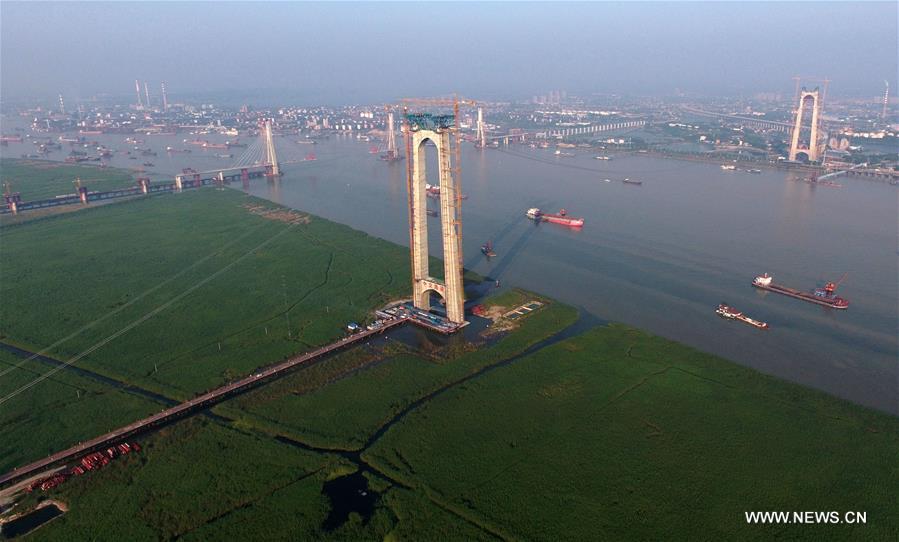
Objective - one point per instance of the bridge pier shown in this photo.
(144, 184)
(178, 183)
(197, 181)
(82, 194)
(245, 178)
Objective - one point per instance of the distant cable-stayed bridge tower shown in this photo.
(814, 99)
(271, 159)
(140, 104)
(482, 133)
(391, 137)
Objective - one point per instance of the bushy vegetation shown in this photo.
(618, 435)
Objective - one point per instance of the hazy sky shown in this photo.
(348, 52)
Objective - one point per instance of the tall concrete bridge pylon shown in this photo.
(418, 130)
(806, 98)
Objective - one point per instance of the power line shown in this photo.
(128, 304)
(143, 318)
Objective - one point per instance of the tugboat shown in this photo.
(487, 249)
(820, 296)
(726, 311)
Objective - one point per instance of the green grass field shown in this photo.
(42, 179)
(321, 416)
(619, 435)
(64, 409)
(150, 496)
(184, 292)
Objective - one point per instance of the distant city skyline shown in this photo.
(362, 52)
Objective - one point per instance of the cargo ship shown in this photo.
(726, 311)
(821, 296)
(487, 249)
(562, 218)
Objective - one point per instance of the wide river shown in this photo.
(659, 256)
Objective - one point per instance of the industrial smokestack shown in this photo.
(886, 99)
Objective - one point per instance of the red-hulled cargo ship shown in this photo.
(561, 218)
(821, 296)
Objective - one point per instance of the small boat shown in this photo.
(432, 212)
(628, 181)
(487, 249)
(728, 167)
(726, 311)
